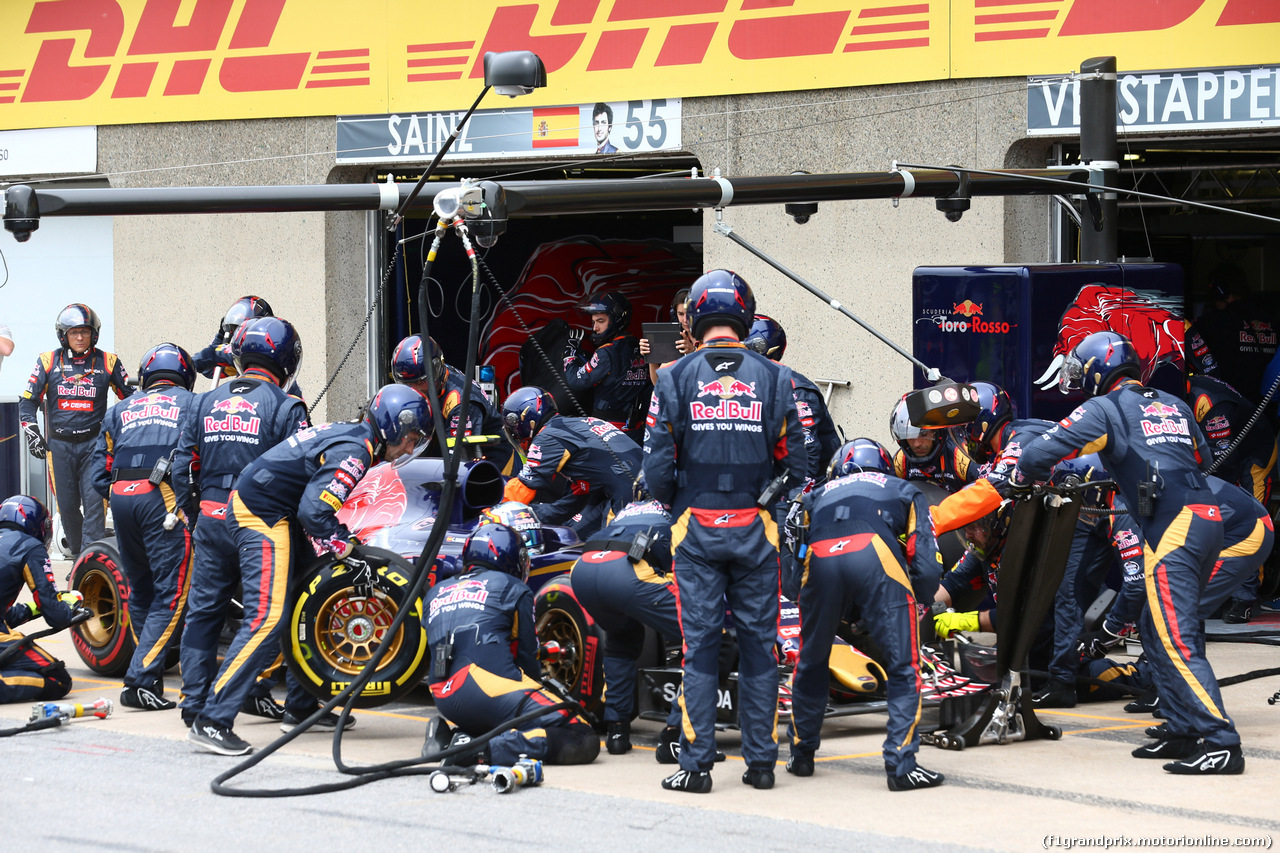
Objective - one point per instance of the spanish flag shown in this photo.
(556, 127)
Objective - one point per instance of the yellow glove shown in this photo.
(946, 624)
(71, 597)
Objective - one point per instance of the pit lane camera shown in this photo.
(958, 202)
(21, 212)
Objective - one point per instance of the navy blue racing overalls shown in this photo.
(950, 467)
(483, 419)
(722, 426)
(231, 426)
(33, 674)
(304, 479)
(590, 459)
(486, 617)
(72, 393)
(1150, 437)
(820, 437)
(871, 547)
(981, 496)
(623, 595)
(618, 377)
(135, 435)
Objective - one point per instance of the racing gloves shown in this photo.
(949, 622)
(1096, 644)
(35, 441)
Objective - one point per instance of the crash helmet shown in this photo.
(904, 432)
(25, 513)
(519, 517)
(409, 362)
(496, 546)
(75, 316)
(1097, 362)
(767, 338)
(268, 342)
(618, 309)
(525, 412)
(394, 412)
(721, 297)
(996, 410)
(986, 536)
(860, 454)
(243, 309)
(1081, 470)
(166, 362)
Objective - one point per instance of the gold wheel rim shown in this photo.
(350, 628)
(560, 627)
(103, 600)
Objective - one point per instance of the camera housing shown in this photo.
(954, 205)
(801, 211)
(21, 212)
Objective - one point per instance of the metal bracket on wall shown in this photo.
(831, 385)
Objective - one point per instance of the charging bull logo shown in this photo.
(378, 502)
(1159, 410)
(1169, 421)
(726, 388)
(968, 308)
(234, 406)
(1151, 321)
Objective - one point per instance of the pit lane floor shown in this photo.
(132, 782)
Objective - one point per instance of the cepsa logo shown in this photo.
(964, 317)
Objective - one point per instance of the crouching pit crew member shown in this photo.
(303, 480)
(131, 464)
(231, 426)
(1149, 442)
(485, 668)
(32, 674)
(867, 544)
(722, 439)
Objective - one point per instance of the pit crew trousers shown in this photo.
(32, 675)
(865, 572)
(72, 478)
(158, 563)
(733, 553)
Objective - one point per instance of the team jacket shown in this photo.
(1222, 413)
(138, 432)
(981, 496)
(858, 505)
(1141, 433)
(231, 426)
(820, 438)
(722, 424)
(619, 377)
(24, 562)
(648, 517)
(73, 391)
(307, 477)
(591, 454)
(487, 616)
(949, 467)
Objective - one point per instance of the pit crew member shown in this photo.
(931, 455)
(616, 372)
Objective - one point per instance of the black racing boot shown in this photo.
(1055, 694)
(668, 751)
(916, 778)
(693, 781)
(760, 778)
(1147, 704)
(1176, 747)
(1225, 760)
(617, 738)
(145, 700)
(800, 765)
(439, 734)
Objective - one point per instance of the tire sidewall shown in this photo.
(111, 658)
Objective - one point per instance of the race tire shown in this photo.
(560, 618)
(105, 643)
(334, 629)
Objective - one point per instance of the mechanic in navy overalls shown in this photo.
(722, 431)
(623, 580)
(218, 352)
(72, 383)
(232, 425)
(480, 630)
(131, 460)
(409, 367)
(768, 338)
(303, 481)
(931, 455)
(574, 466)
(867, 546)
(33, 674)
(616, 373)
(1149, 442)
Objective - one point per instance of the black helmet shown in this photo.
(618, 309)
(498, 547)
(74, 316)
(721, 297)
(242, 310)
(166, 361)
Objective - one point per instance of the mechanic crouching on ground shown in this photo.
(867, 544)
(33, 673)
(131, 462)
(1150, 444)
(303, 480)
(722, 430)
(485, 669)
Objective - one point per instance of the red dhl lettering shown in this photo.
(726, 410)
(233, 423)
(1170, 427)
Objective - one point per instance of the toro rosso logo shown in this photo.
(968, 308)
(726, 389)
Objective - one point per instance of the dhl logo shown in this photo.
(317, 56)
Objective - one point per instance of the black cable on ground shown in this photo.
(33, 726)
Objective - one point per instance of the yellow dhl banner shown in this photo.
(77, 62)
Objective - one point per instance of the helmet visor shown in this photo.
(1072, 374)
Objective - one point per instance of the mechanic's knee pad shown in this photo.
(57, 682)
(576, 743)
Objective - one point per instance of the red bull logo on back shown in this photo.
(1159, 410)
(234, 406)
(726, 388)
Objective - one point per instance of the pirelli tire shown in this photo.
(105, 642)
(579, 665)
(339, 618)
